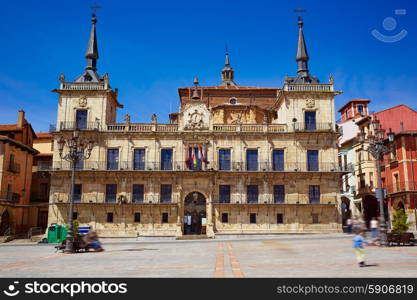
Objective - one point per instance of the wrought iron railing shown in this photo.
(221, 128)
(39, 197)
(13, 168)
(262, 166)
(9, 196)
(402, 186)
(44, 165)
(79, 126)
(307, 127)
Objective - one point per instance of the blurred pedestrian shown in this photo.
(349, 225)
(362, 224)
(358, 242)
(92, 241)
(374, 228)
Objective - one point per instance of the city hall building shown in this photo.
(233, 160)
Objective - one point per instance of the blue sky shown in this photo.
(150, 48)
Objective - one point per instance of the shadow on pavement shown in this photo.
(371, 265)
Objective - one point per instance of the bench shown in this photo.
(406, 238)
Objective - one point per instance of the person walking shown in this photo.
(358, 242)
(374, 228)
(349, 225)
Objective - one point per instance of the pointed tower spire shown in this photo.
(90, 73)
(302, 55)
(92, 50)
(303, 74)
(228, 73)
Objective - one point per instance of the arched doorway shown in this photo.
(194, 213)
(370, 208)
(4, 223)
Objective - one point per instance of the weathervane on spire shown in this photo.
(94, 7)
(299, 11)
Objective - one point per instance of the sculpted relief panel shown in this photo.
(195, 117)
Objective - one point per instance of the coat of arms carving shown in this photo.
(82, 101)
(195, 116)
(195, 120)
(310, 103)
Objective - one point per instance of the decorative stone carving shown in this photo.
(82, 102)
(310, 103)
(127, 119)
(196, 117)
(154, 118)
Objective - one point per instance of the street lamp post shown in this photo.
(79, 149)
(377, 149)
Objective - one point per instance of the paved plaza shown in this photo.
(324, 255)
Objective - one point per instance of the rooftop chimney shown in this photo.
(20, 118)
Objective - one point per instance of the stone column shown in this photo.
(210, 225)
(180, 212)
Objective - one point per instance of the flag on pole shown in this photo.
(194, 157)
(199, 152)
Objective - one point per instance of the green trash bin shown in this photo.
(57, 233)
(54, 233)
(63, 232)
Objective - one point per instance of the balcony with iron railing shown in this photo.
(39, 197)
(270, 200)
(6, 196)
(216, 128)
(402, 186)
(262, 166)
(13, 168)
(44, 166)
(70, 126)
(126, 199)
(311, 127)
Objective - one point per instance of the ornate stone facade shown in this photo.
(213, 170)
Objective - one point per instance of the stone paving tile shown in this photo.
(280, 256)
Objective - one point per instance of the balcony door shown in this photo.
(312, 160)
(252, 160)
(278, 160)
(139, 159)
(112, 159)
(224, 159)
(81, 119)
(166, 159)
(310, 120)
